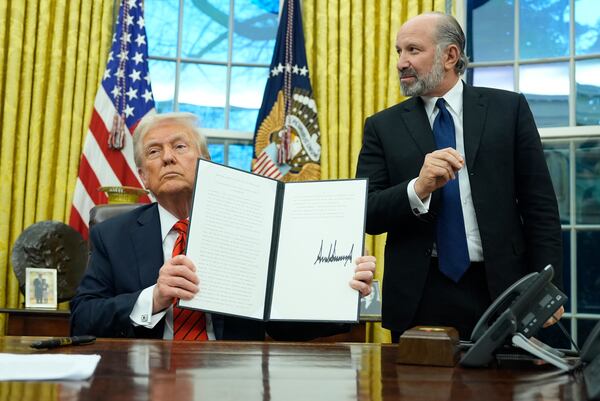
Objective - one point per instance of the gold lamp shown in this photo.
(123, 194)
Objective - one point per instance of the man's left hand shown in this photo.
(555, 317)
(363, 274)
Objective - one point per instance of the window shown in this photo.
(547, 49)
(211, 58)
(550, 51)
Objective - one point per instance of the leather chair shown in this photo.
(99, 213)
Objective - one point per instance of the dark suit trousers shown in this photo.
(446, 303)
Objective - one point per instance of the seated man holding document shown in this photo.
(138, 274)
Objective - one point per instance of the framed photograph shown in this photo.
(40, 288)
(370, 306)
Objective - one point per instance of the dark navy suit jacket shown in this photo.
(126, 255)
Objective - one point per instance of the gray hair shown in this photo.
(151, 121)
(449, 33)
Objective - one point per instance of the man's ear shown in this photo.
(452, 55)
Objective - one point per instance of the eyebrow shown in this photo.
(178, 136)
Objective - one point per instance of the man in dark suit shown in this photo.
(460, 185)
(133, 278)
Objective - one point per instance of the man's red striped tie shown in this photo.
(187, 324)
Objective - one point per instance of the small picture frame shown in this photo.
(40, 288)
(370, 306)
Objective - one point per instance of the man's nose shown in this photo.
(168, 155)
(402, 63)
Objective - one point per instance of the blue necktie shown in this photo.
(453, 254)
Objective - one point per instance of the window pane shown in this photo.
(247, 89)
(587, 26)
(205, 30)
(557, 158)
(587, 78)
(162, 77)
(588, 272)
(161, 20)
(202, 92)
(544, 28)
(587, 182)
(240, 156)
(547, 89)
(255, 29)
(584, 328)
(492, 77)
(491, 33)
(217, 152)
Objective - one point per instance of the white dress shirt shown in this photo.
(141, 314)
(454, 104)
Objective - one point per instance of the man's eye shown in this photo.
(152, 153)
(181, 147)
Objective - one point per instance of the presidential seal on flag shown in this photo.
(302, 128)
(287, 143)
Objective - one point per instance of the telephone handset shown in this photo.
(522, 308)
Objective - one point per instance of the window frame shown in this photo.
(212, 135)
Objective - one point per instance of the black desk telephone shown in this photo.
(517, 314)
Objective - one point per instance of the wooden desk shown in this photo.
(36, 322)
(186, 371)
(55, 323)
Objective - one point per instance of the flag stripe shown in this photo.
(87, 175)
(82, 204)
(115, 159)
(78, 224)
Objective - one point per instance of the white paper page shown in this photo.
(230, 240)
(47, 366)
(321, 235)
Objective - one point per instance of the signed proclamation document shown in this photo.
(273, 251)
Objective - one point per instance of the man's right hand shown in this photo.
(176, 279)
(438, 168)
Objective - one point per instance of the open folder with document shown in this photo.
(273, 251)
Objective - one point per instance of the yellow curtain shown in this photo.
(352, 62)
(51, 61)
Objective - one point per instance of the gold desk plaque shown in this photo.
(428, 345)
(123, 194)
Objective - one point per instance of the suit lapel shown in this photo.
(475, 109)
(418, 125)
(147, 245)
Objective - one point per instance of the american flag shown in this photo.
(124, 97)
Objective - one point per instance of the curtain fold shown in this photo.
(51, 64)
(352, 60)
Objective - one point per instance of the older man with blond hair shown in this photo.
(136, 270)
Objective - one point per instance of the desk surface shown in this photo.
(186, 371)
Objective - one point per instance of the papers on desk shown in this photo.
(47, 366)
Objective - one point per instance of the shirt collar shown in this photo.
(453, 99)
(167, 221)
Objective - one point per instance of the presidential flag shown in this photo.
(124, 97)
(287, 143)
